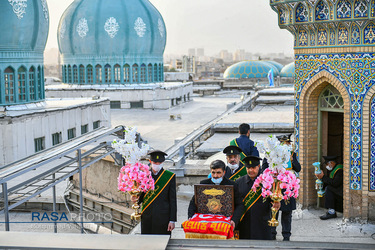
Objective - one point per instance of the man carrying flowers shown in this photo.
(286, 207)
(254, 221)
(159, 206)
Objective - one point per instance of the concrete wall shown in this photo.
(101, 178)
(18, 132)
(156, 97)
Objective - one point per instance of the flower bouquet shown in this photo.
(277, 182)
(134, 177)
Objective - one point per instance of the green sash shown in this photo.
(238, 174)
(334, 171)
(251, 198)
(234, 143)
(160, 184)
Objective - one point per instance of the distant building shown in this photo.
(115, 50)
(188, 64)
(191, 52)
(29, 122)
(200, 52)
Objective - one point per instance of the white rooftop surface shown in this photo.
(165, 85)
(263, 114)
(160, 131)
(50, 104)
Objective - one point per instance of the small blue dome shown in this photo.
(288, 70)
(24, 31)
(24, 25)
(250, 69)
(111, 33)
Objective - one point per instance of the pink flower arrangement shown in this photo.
(135, 177)
(286, 180)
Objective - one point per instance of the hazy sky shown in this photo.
(209, 24)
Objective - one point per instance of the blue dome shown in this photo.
(24, 25)
(250, 69)
(288, 70)
(24, 31)
(109, 33)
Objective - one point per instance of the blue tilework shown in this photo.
(356, 72)
(372, 148)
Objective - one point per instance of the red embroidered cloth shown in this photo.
(208, 226)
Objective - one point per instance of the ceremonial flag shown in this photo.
(270, 77)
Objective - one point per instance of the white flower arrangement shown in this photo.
(277, 155)
(129, 148)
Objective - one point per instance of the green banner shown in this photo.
(234, 143)
(238, 174)
(251, 198)
(160, 184)
(334, 171)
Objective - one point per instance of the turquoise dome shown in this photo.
(24, 25)
(111, 33)
(250, 69)
(288, 70)
(24, 31)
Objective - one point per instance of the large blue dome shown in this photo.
(250, 69)
(24, 25)
(109, 33)
(24, 31)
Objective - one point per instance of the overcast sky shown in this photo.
(209, 24)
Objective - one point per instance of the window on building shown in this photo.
(98, 73)
(21, 84)
(143, 73)
(71, 133)
(155, 72)
(32, 83)
(9, 85)
(136, 104)
(126, 73)
(135, 73)
(39, 144)
(107, 73)
(39, 84)
(69, 74)
(75, 74)
(160, 73)
(81, 74)
(96, 124)
(84, 129)
(149, 72)
(56, 138)
(117, 71)
(115, 104)
(63, 68)
(89, 74)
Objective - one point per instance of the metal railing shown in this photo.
(53, 166)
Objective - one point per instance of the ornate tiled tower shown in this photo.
(24, 31)
(112, 42)
(334, 93)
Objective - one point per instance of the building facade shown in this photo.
(29, 122)
(334, 93)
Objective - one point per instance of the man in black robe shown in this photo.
(218, 178)
(333, 183)
(234, 168)
(254, 223)
(161, 214)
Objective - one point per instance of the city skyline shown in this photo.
(213, 25)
